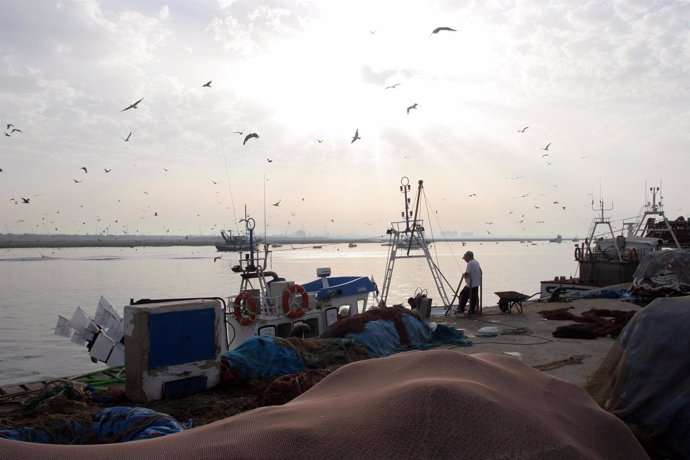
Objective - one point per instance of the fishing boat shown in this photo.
(606, 259)
(232, 243)
(269, 305)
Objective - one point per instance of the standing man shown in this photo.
(473, 279)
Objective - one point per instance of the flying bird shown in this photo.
(9, 125)
(393, 86)
(355, 137)
(439, 29)
(207, 84)
(126, 139)
(249, 136)
(523, 129)
(277, 202)
(76, 181)
(216, 258)
(239, 132)
(133, 106)
(545, 155)
(547, 146)
(26, 200)
(319, 140)
(413, 106)
(269, 160)
(7, 134)
(86, 171)
(107, 170)
(15, 130)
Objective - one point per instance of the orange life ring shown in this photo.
(578, 253)
(633, 254)
(287, 294)
(245, 320)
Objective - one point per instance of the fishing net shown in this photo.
(597, 322)
(663, 273)
(434, 404)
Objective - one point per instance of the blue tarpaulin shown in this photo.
(262, 358)
(114, 424)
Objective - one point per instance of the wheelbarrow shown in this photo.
(509, 299)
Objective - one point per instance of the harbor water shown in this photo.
(38, 284)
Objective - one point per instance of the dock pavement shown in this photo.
(529, 337)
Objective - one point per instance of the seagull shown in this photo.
(413, 106)
(216, 258)
(15, 130)
(523, 129)
(277, 202)
(207, 84)
(545, 155)
(239, 132)
(86, 171)
(547, 146)
(392, 86)
(107, 170)
(126, 139)
(133, 106)
(439, 29)
(7, 134)
(355, 137)
(9, 125)
(76, 181)
(26, 200)
(249, 136)
(319, 140)
(269, 160)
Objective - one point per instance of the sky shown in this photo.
(605, 85)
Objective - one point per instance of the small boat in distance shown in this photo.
(232, 243)
(558, 239)
(352, 245)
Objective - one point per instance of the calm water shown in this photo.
(40, 284)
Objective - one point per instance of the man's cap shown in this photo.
(468, 254)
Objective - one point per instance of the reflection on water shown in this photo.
(40, 284)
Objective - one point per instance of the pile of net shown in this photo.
(644, 379)
(662, 273)
(110, 425)
(388, 330)
(596, 322)
(433, 404)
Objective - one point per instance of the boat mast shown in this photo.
(401, 234)
(646, 226)
(605, 221)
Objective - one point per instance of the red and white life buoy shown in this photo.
(578, 253)
(288, 303)
(245, 320)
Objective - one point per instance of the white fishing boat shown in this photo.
(270, 305)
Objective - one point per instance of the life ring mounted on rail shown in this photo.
(578, 253)
(242, 297)
(290, 300)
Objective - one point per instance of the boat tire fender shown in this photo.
(245, 320)
(287, 293)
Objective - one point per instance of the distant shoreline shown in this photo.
(14, 241)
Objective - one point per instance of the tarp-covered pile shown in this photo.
(644, 379)
(434, 404)
(663, 273)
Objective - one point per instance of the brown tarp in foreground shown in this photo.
(430, 404)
